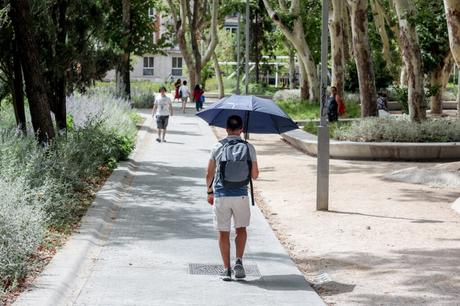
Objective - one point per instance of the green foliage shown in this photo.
(432, 33)
(310, 111)
(40, 186)
(351, 77)
(401, 94)
(312, 127)
(400, 129)
(141, 30)
(142, 92)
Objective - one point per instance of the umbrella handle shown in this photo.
(252, 192)
(246, 127)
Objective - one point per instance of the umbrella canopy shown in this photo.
(260, 116)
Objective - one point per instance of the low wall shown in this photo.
(400, 151)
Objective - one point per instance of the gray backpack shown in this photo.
(235, 164)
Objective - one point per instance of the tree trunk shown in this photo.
(291, 69)
(124, 84)
(33, 72)
(17, 91)
(296, 36)
(336, 32)
(347, 35)
(194, 22)
(403, 77)
(439, 79)
(57, 94)
(458, 97)
(362, 53)
(452, 8)
(220, 80)
(303, 82)
(412, 58)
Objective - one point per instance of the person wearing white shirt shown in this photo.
(162, 109)
(184, 93)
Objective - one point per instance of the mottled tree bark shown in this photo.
(439, 79)
(337, 45)
(303, 82)
(362, 54)
(412, 58)
(189, 19)
(296, 36)
(452, 8)
(33, 72)
(347, 35)
(220, 80)
(291, 68)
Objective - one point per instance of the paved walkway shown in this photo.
(149, 223)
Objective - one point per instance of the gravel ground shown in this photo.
(381, 243)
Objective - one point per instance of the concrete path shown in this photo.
(147, 228)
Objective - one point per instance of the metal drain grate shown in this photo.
(211, 269)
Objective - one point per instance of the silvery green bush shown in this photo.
(22, 225)
(39, 185)
(400, 129)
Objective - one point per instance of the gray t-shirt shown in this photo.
(216, 154)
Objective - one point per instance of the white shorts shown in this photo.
(226, 207)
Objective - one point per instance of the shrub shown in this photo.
(22, 224)
(310, 111)
(41, 186)
(400, 129)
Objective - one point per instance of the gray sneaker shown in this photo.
(239, 269)
(226, 275)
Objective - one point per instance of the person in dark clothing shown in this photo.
(333, 106)
(198, 97)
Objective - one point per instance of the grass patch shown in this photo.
(310, 111)
(312, 127)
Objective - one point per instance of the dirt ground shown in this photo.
(381, 243)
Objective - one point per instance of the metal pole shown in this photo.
(322, 189)
(238, 55)
(246, 80)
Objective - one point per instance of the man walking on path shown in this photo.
(184, 93)
(162, 109)
(232, 164)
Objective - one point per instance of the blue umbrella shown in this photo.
(260, 116)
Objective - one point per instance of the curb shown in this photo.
(62, 279)
(388, 151)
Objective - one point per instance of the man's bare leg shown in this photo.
(164, 135)
(159, 135)
(240, 241)
(224, 244)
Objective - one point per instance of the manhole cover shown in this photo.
(211, 269)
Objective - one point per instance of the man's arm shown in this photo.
(254, 170)
(210, 174)
(154, 109)
(171, 112)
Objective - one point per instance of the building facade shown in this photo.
(159, 68)
(169, 67)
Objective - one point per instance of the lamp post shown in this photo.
(246, 80)
(322, 187)
(238, 55)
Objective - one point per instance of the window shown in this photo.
(176, 66)
(152, 12)
(231, 29)
(149, 64)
